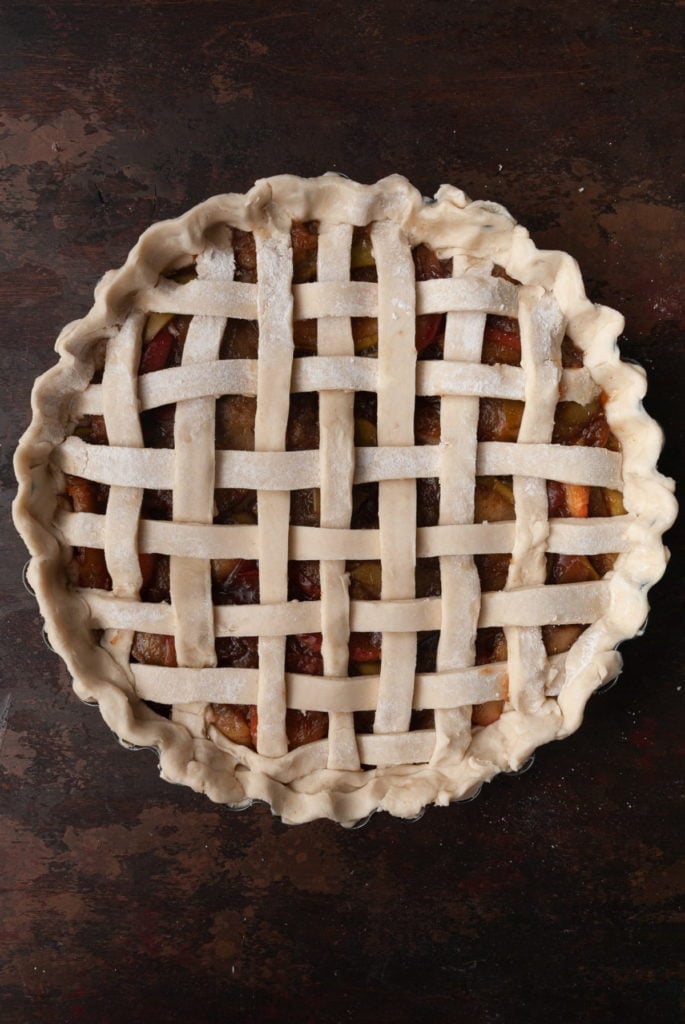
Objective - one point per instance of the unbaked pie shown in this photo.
(341, 498)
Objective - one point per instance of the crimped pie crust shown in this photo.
(545, 695)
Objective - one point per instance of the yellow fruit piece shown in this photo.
(487, 713)
(577, 500)
(494, 500)
(155, 322)
(504, 490)
(368, 668)
(365, 333)
(362, 254)
(614, 502)
(572, 416)
(244, 517)
(365, 434)
(184, 275)
(368, 576)
(222, 568)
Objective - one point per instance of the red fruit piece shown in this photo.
(156, 354)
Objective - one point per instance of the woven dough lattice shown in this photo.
(349, 772)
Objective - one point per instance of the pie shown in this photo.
(341, 498)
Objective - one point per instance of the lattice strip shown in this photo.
(337, 373)
(566, 537)
(396, 497)
(119, 380)
(324, 299)
(527, 606)
(451, 689)
(460, 585)
(336, 418)
(120, 540)
(271, 470)
(194, 475)
(274, 271)
(541, 326)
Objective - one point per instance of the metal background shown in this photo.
(553, 895)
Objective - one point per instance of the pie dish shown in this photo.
(341, 498)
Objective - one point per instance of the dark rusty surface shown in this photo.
(554, 894)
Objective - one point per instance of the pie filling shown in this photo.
(237, 582)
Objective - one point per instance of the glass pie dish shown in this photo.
(341, 498)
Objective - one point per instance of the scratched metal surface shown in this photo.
(555, 893)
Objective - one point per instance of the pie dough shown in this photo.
(349, 774)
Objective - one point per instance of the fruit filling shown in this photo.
(236, 581)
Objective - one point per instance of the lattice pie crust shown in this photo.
(394, 767)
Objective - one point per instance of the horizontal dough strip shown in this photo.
(319, 299)
(559, 604)
(382, 750)
(449, 689)
(155, 536)
(334, 373)
(206, 298)
(287, 471)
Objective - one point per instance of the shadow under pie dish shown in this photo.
(341, 498)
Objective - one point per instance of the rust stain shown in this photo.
(17, 190)
(35, 858)
(69, 140)
(102, 851)
(5, 704)
(29, 859)
(227, 930)
(18, 755)
(226, 90)
(312, 866)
